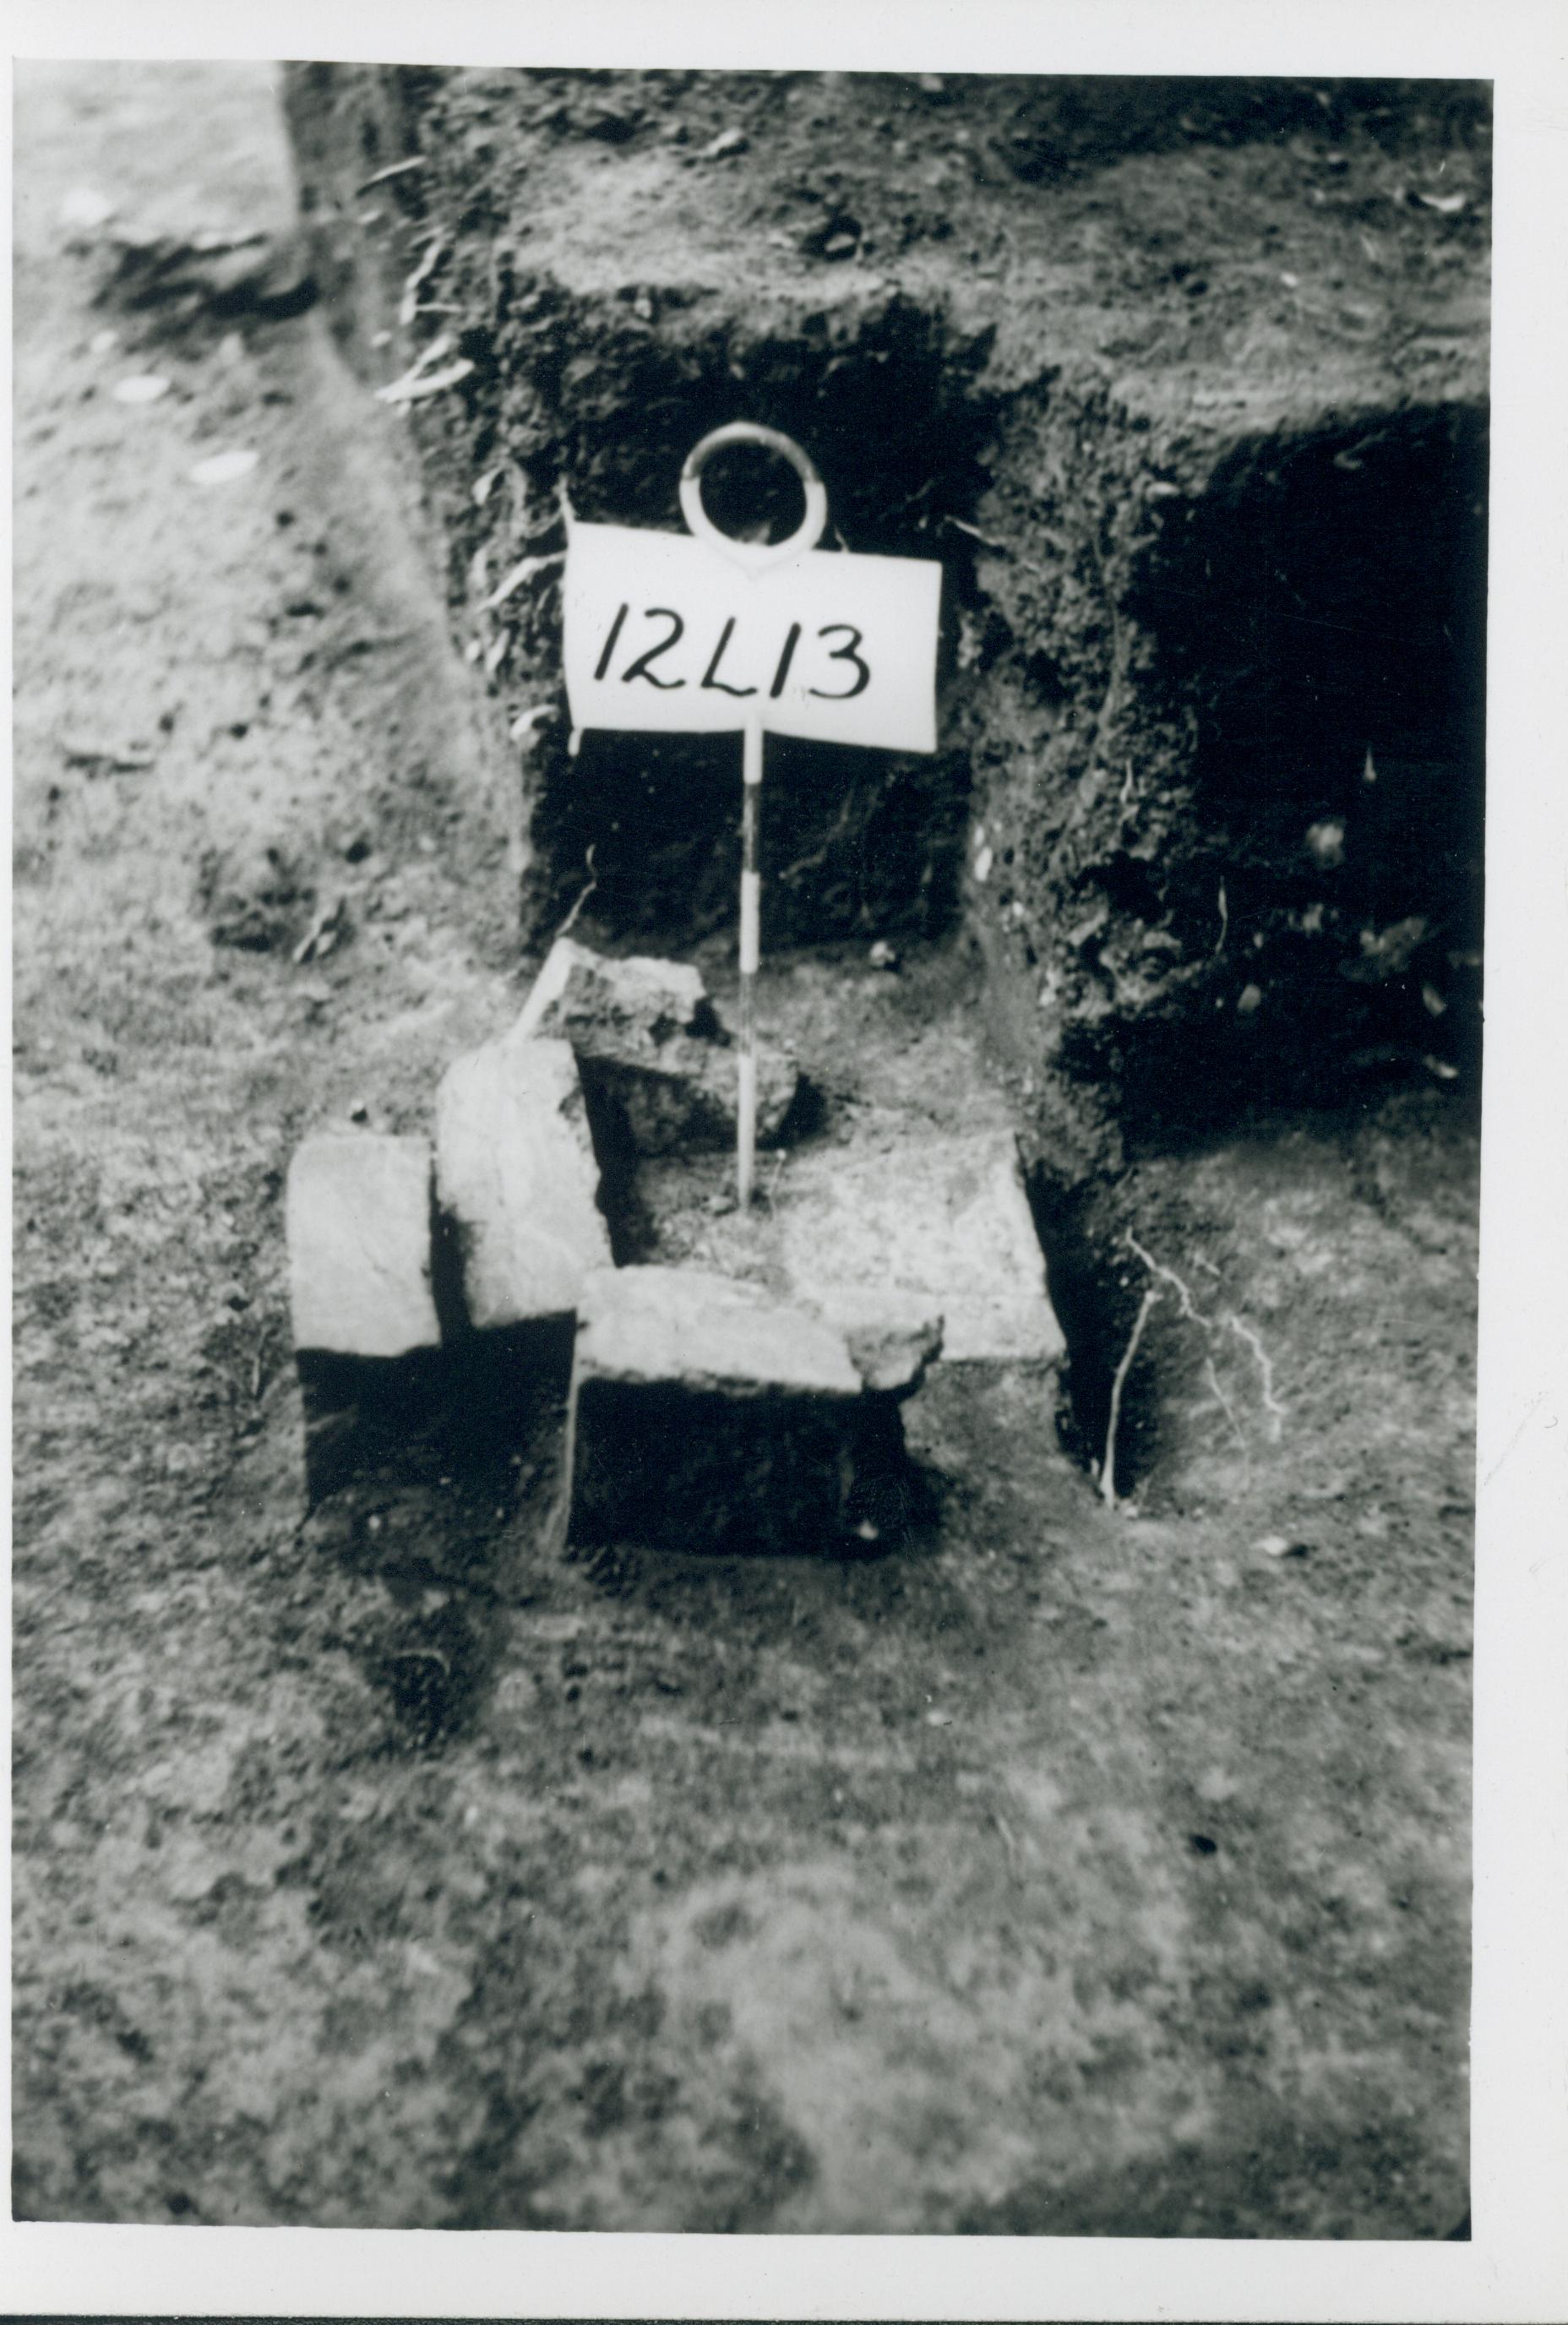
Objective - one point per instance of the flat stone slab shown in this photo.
(706, 1414)
(683, 1326)
(648, 1039)
(940, 1216)
(516, 1176)
(359, 1224)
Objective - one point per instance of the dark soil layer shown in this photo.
(1184, 383)
(1071, 1871)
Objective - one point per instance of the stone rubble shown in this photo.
(941, 1216)
(706, 1410)
(583, 997)
(358, 1223)
(517, 1177)
(706, 1415)
(366, 1328)
(649, 1043)
(700, 1332)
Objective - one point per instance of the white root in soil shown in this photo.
(1274, 1412)
(1151, 1300)
(570, 922)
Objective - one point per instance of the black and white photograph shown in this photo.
(749, 900)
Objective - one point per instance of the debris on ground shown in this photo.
(326, 932)
(181, 279)
(100, 757)
(414, 387)
(140, 387)
(223, 468)
(252, 898)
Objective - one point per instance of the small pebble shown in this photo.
(1273, 1545)
(85, 207)
(141, 388)
(881, 955)
(223, 468)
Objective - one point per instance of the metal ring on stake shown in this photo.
(754, 556)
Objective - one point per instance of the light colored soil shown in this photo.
(1066, 1873)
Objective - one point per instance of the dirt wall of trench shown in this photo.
(1184, 384)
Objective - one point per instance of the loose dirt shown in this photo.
(1070, 1871)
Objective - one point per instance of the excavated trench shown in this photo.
(1324, 620)
(1309, 936)
(1184, 386)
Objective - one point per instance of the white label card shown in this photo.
(663, 631)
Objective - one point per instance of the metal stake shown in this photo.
(750, 950)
